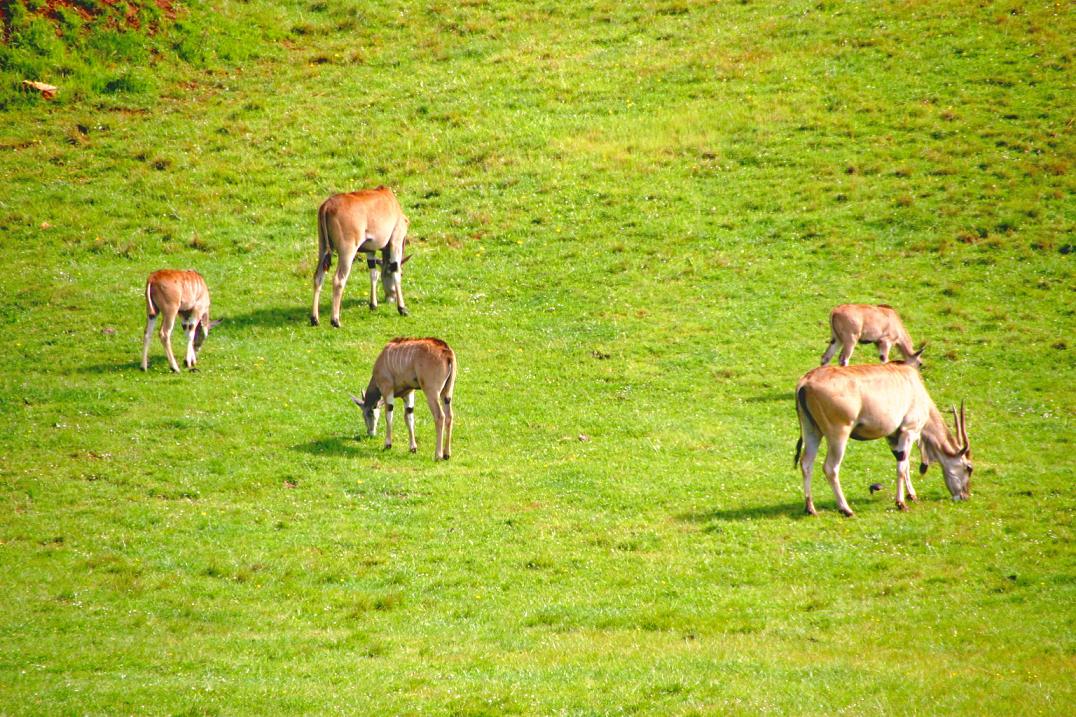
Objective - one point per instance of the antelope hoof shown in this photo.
(902, 506)
(388, 446)
(447, 456)
(314, 321)
(913, 497)
(175, 369)
(810, 509)
(373, 306)
(403, 310)
(846, 512)
(414, 449)
(335, 323)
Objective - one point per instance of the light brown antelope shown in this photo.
(403, 366)
(862, 323)
(877, 401)
(369, 221)
(170, 292)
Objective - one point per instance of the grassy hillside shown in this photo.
(630, 221)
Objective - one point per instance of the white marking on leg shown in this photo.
(409, 417)
(389, 403)
(189, 330)
(903, 449)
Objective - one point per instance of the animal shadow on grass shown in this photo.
(352, 309)
(746, 512)
(347, 446)
(123, 366)
(772, 396)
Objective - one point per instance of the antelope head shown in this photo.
(957, 467)
(371, 411)
(915, 359)
(387, 281)
(201, 331)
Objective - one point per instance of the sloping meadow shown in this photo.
(630, 221)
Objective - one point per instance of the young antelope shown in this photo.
(170, 292)
(406, 364)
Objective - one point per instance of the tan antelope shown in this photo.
(369, 221)
(403, 366)
(873, 401)
(862, 323)
(170, 292)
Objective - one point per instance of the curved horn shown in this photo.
(956, 429)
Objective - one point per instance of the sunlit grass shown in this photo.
(630, 221)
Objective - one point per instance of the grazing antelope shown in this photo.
(874, 401)
(171, 292)
(862, 323)
(369, 220)
(403, 366)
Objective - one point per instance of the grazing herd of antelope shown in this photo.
(864, 402)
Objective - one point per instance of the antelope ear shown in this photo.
(964, 450)
(405, 259)
(922, 348)
(214, 324)
(359, 401)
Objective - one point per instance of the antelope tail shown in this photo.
(325, 252)
(451, 382)
(151, 310)
(801, 406)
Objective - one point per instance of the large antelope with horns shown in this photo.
(369, 221)
(403, 366)
(865, 324)
(877, 401)
(169, 293)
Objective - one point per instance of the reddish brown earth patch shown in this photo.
(130, 20)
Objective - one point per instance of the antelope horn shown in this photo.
(960, 434)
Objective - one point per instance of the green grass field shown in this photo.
(630, 220)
